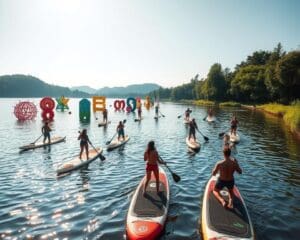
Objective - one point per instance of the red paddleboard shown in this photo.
(147, 212)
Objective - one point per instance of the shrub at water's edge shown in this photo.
(290, 113)
(230, 104)
(204, 102)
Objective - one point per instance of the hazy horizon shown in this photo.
(118, 43)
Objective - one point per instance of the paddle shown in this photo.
(174, 175)
(222, 133)
(204, 119)
(36, 139)
(161, 114)
(108, 142)
(180, 116)
(100, 155)
(205, 138)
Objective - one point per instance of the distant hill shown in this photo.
(28, 86)
(86, 89)
(133, 90)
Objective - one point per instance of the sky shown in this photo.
(120, 42)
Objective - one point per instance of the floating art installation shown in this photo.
(84, 110)
(99, 103)
(25, 111)
(119, 105)
(62, 103)
(131, 104)
(47, 105)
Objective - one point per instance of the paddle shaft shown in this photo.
(37, 139)
(100, 155)
(174, 175)
(205, 138)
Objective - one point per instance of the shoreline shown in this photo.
(280, 112)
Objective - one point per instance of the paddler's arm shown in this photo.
(215, 170)
(237, 166)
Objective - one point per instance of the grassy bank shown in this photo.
(230, 104)
(290, 113)
(202, 102)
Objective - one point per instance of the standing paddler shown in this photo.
(46, 132)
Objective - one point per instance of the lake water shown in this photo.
(92, 203)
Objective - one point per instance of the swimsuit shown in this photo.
(220, 184)
(152, 167)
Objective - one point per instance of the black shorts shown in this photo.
(233, 126)
(220, 184)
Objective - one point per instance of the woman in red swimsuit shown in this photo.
(152, 158)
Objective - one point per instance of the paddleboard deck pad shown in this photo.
(211, 119)
(40, 144)
(219, 222)
(115, 143)
(77, 163)
(194, 145)
(148, 212)
(234, 138)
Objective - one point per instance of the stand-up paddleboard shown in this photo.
(234, 138)
(211, 119)
(148, 212)
(103, 124)
(219, 222)
(138, 119)
(78, 163)
(194, 145)
(115, 143)
(40, 144)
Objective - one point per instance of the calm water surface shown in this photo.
(92, 203)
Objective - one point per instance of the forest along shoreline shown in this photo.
(267, 81)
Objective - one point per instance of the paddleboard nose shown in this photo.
(142, 230)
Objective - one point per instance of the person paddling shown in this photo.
(210, 113)
(156, 110)
(234, 122)
(187, 114)
(193, 126)
(226, 141)
(46, 132)
(152, 158)
(105, 115)
(226, 168)
(84, 143)
(140, 112)
(120, 130)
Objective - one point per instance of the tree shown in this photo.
(288, 72)
(214, 86)
(248, 84)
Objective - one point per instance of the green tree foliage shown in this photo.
(271, 81)
(214, 87)
(288, 72)
(248, 84)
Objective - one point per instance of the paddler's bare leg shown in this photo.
(230, 201)
(219, 197)
(156, 174)
(148, 177)
(87, 151)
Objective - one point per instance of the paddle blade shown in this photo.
(221, 134)
(179, 116)
(107, 143)
(206, 138)
(102, 157)
(176, 177)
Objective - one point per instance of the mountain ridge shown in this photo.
(19, 85)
